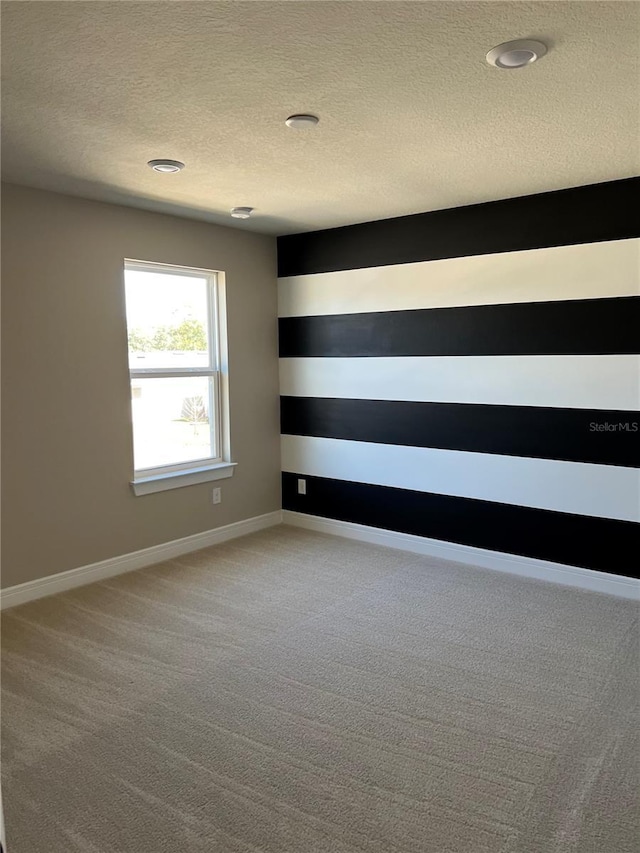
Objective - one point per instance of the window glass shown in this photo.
(168, 319)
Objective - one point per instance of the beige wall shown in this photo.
(67, 448)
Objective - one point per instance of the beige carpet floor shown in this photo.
(291, 692)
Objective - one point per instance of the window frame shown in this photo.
(163, 477)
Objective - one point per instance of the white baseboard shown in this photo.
(529, 567)
(21, 593)
(618, 585)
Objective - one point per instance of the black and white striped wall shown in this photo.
(471, 375)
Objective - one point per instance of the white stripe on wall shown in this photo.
(586, 271)
(598, 490)
(567, 381)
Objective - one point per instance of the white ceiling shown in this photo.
(412, 117)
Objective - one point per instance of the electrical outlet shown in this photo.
(302, 487)
(217, 496)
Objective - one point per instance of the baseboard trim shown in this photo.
(529, 567)
(24, 592)
(589, 579)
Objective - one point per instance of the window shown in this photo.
(177, 366)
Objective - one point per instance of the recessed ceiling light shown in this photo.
(299, 122)
(241, 212)
(165, 165)
(516, 54)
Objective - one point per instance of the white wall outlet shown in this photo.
(217, 496)
(302, 487)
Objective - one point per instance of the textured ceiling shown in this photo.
(412, 117)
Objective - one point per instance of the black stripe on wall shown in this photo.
(588, 214)
(576, 540)
(546, 433)
(569, 327)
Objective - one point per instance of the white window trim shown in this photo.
(177, 479)
(162, 478)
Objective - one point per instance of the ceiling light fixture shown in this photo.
(166, 165)
(302, 121)
(516, 54)
(241, 212)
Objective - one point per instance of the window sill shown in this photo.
(178, 479)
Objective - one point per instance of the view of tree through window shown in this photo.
(194, 411)
(189, 335)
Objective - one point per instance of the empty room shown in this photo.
(320, 426)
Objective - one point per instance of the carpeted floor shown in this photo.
(291, 692)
